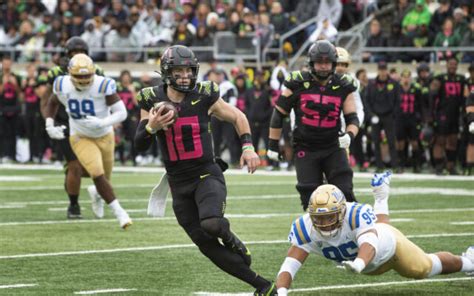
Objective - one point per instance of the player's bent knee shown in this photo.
(200, 238)
(74, 167)
(215, 226)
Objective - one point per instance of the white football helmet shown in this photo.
(82, 71)
(327, 208)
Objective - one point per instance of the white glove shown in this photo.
(355, 266)
(54, 132)
(381, 185)
(273, 155)
(92, 122)
(471, 127)
(375, 119)
(344, 141)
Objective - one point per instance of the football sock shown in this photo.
(467, 264)
(73, 199)
(437, 266)
(381, 206)
(115, 206)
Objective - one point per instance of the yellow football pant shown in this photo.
(96, 155)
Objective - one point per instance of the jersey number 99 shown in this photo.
(78, 110)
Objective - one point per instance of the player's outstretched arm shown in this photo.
(293, 261)
(229, 113)
(368, 242)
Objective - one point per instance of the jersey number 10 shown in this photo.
(175, 143)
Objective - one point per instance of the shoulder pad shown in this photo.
(348, 80)
(295, 76)
(299, 232)
(99, 71)
(361, 216)
(54, 72)
(207, 87)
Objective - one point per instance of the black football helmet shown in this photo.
(76, 45)
(322, 51)
(179, 56)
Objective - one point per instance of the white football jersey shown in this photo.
(90, 102)
(359, 218)
(358, 103)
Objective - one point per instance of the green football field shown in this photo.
(42, 253)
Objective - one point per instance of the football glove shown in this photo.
(381, 185)
(273, 150)
(54, 132)
(345, 141)
(355, 266)
(471, 127)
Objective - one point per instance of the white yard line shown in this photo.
(355, 286)
(11, 206)
(180, 246)
(92, 292)
(462, 223)
(17, 286)
(18, 179)
(405, 176)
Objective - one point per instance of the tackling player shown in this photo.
(195, 179)
(318, 97)
(361, 239)
(93, 107)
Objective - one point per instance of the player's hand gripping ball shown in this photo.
(167, 107)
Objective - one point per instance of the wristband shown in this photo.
(359, 264)
(246, 139)
(151, 130)
(248, 146)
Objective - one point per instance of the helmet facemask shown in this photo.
(179, 57)
(322, 51)
(172, 79)
(328, 223)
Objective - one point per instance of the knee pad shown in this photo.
(305, 191)
(215, 226)
(199, 237)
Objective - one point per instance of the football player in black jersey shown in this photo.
(470, 126)
(73, 169)
(449, 100)
(196, 181)
(318, 97)
(408, 120)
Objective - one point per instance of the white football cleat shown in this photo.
(381, 185)
(469, 254)
(124, 220)
(97, 202)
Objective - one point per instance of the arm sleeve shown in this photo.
(119, 114)
(110, 87)
(142, 138)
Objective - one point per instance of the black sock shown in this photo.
(73, 199)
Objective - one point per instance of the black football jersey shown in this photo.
(317, 108)
(410, 101)
(187, 145)
(61, 116)
(451, 94)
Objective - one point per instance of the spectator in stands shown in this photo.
(77, 27)
(401, 9)
(54, 34)
(10, 37)
(447, 38)
(460, 23)
(420, 15)
(325, 30)
(10, 15)
(211, 23)
(422, 38)
(376, 39)
(441, 14)
(331, 9)
(235, 22)
(182, 35)
(468, 40)
(119, 11)
(122, 38)
(203, 39)
(200, 18)
(264, 30)
(248, 25)
(93, 37)
(279, 20)
(398, 39)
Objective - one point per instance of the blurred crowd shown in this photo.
(23, 137)
(32, 25)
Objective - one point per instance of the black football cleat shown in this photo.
(267, 291)
(238, 247)
(74, 212)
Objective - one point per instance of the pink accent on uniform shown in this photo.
(313, 118)
(192, 121)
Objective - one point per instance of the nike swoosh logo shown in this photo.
(335, 87)
(195, 102)
(204, 176)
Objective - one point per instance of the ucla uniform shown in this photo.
(394, 250)
(94, 147)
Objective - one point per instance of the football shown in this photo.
(168, 107)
